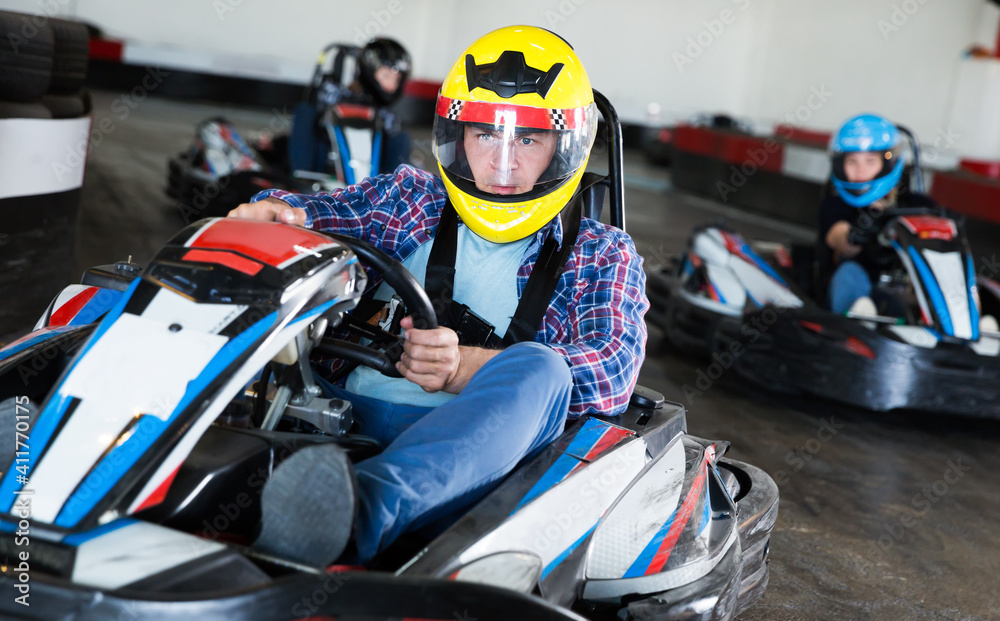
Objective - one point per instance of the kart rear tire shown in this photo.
(26, 56)
(69, 59)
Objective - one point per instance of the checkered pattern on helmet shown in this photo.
(454, 109)
(558, 119)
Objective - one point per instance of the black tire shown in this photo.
(19, 110)
(66, 106)
(757, 505)
(26, 56)
(69, 64)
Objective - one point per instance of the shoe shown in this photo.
(308, 507)
(988, 323)
(863, 306)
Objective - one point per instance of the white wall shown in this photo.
(760, 59)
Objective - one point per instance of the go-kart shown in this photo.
(338, 135)
(140, 427)
(219, 170)
(749, 305)
(335, 140)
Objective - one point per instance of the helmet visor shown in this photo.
(869, 167)
(506, 149)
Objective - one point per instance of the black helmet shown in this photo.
(384, 53)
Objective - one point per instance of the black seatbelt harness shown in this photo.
(472, 329)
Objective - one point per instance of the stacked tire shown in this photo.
(66, 98)
(27, 51)
(44, 127)
(43, 64)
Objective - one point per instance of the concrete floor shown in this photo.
(882, 516)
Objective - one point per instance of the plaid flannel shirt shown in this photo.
(595, 318)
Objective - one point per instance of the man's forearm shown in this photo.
(471, 360)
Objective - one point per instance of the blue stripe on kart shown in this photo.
(78, 539)
(103, 301)
(376, 154)
(345, 156)
(970, 283)
(708, 509)
(645, 557)
(149, 428)
(565, 553)
(933, 290)
(588, 436)
(688, 268)
(56, 407)
(718, 293)
(761, 263)
(13, 348)
(556, 473)
(582, 442)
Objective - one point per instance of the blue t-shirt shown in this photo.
(485, 281)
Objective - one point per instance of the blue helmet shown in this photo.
(866, 133)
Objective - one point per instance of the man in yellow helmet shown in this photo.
(540, 309)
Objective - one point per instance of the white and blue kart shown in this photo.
(137, 454)
(747, 303)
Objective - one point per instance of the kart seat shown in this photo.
(594, 188)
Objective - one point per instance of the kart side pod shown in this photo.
(219, 300)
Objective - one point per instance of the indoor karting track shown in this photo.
(882, 516)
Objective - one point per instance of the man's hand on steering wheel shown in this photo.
(431, 358)
(270, 210)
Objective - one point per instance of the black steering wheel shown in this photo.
(859, 235)
(386, 348)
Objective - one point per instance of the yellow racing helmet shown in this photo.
(514, 125)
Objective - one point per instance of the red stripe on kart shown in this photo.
(228, 259)
(930, 227)
(810, 325)
(683, 516)
(856, 346)
(269, 242)
(609, 439)
(354, 111)
(68, 311)
(158, 494)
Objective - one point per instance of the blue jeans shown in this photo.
(439, 460)
(850, 281)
